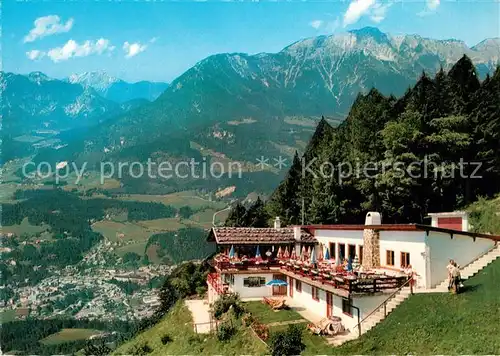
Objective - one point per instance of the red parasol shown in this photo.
(303, 254)
(320, 254)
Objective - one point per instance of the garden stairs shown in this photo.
(392, 302)
(373, 319)
(470, 270)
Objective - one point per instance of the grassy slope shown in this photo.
(425, 324)
(66, 335)
(467, 323)
(178, 325)
(266, 315)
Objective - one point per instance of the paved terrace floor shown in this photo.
(306, 314)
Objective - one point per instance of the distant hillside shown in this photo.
(37, 102)
(116, 89)
(485, 216)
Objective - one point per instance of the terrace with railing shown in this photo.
(224, 263)
(215, 280)
(340, 281)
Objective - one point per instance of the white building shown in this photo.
(386, 253)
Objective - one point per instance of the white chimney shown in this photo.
(277, 223)
(373, 218)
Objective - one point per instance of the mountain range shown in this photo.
(242, 106)
(118, 90)
(271, 93)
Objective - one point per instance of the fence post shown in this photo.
(385, 310)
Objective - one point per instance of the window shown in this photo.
(360, 255)
(254, 282)
(346, 306)
(332, 250)
(315, 293)
(389, 258)
(351, 249)
(405, 259)
(298, 286)
(342, 251)
(229, 279)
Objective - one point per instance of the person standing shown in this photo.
(449, 268)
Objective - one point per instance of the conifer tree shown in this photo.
(256, 215)
(237, 216)
(286, 202)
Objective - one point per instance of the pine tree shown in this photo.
(237, 216)
(286, 201)
(486, 121)
(463, 83)
(256, 215)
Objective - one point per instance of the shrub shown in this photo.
(226, 302)
(201, 290)
(225, 331)
(261, 330)
(165, 339)
(146, 348)
(248, 319)
(140, 350)
(287, 342)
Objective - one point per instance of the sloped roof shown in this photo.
(253, 235)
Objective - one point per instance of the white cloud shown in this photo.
(73, 49)
(325, 26)
(133, 49)
(46, 26)
(433, 4)
(35, 54)
(430, 8)
(316, 24)
(379, 11)
(153, 39)
(376, 10)
(356, 9)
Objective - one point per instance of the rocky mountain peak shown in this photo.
(370, 32)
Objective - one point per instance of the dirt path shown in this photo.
(201, 315)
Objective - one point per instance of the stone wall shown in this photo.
(371, 248)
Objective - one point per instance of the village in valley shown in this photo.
(99, 287)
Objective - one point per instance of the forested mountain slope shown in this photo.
(401, 157)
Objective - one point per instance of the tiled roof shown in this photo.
(252, 235)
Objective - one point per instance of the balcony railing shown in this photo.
(215, 280)
(246, 264)
(350, 282)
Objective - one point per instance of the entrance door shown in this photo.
(329, 304)
(279, 290)
(290, 286)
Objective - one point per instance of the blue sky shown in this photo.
(160, 40)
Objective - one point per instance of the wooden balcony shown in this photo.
(246, 265)
(215, 280)
(344, 284)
